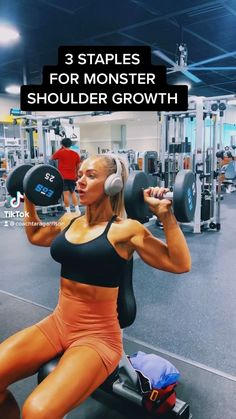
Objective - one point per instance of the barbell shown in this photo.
(43, 185)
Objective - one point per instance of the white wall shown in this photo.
(141, 133)
(104, 135)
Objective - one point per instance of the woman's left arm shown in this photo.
(172, 256)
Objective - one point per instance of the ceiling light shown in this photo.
(14, 89)
(8, 34)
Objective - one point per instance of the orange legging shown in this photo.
(79, 322)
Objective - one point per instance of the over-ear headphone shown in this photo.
(114, 183)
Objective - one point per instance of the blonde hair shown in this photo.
(117, 201)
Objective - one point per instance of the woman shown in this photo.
(93, 250)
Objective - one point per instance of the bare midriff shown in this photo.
(88, 292)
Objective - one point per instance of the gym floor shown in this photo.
(188, 319)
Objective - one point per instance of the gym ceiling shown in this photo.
(208, 28)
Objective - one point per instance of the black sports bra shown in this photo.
(95, 262)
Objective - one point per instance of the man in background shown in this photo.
(68, 166)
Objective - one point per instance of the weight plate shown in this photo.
(184, 196)
(135, 206)
(43, 185)
(14, 182)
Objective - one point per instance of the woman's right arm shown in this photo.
(38, 232)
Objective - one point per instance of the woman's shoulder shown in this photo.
(128, 224)
(66, 218)
(127, 221)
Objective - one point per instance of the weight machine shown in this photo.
(189, 140)
(130, 158)
(175, 147)
(147, 162)
(49, 132)
(227, 166)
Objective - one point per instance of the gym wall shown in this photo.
(101, 135)
(141, 134)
